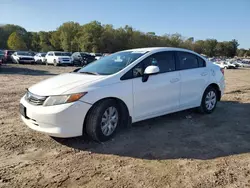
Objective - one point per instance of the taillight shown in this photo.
(222, 71)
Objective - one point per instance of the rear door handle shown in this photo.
(204, 74)
(174, 80)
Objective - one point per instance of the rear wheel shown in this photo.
(103, 120)
(209, 100)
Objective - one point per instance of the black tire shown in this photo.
(203, 107)
(55, 63)
(93, 120)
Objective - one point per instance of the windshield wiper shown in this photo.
(91, 73)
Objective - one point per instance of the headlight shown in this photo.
(62, 99)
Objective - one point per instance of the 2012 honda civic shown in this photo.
(120, 89)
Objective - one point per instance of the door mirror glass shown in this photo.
(152, 69)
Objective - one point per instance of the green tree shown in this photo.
(16, 42)
(7, 30)
(209, 47)
(34, 41)
(241, 52)
(199, 46)
(68, 33)
(55, 40)
(44, 38)
(91, 37)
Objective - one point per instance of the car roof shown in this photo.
(160, 49)
(155, 49)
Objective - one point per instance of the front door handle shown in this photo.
(174, 80)
(204, 74)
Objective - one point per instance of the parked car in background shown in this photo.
(221, 64)
(1, 56)
(22, 57)
(58, 58)
(40, 57)
(239, 63)
(82, 58)
(98, 55)
(7, 56)
(127, 86)
(230, 65)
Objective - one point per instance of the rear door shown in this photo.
(194, 78)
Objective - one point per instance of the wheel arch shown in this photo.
(215, 86)
(126, 117)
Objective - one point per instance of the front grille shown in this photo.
(26, 58)
(34, 99)
(65, 59)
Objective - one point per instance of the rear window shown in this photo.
(24, 53)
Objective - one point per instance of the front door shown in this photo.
(160, 93)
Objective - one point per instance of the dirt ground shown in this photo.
(183, 149)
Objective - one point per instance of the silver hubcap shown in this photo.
(109, 121)
(210, 100)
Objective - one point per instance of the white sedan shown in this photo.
(120, 89)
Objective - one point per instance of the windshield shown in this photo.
(62, 54)
(84, 53)
(24, 53)
(113, 63)
(66, 54)
(43, 54)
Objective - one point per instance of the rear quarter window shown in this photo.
(202, 62)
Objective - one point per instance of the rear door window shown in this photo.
(187, 60)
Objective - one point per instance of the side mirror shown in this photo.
(150, 70)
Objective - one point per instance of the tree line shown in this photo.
(96, 37)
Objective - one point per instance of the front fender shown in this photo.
(122, 90)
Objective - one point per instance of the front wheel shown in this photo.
(103, 120)
(55, 63)
(209, 100)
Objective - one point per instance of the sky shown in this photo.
(223, 20)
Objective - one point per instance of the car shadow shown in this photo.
(185, 134)
(10, 69)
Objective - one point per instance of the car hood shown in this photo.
(60, 84)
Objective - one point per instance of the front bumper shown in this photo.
(64, 120)
(26, 61)
(64, 62)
